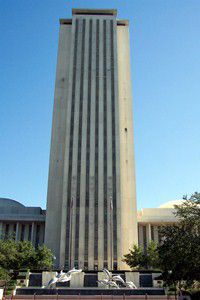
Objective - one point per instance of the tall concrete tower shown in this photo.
(91, 207)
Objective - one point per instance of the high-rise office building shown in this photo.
(91, 207)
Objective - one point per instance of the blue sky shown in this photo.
(165, 57)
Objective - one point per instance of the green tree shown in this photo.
(8, 254)
(22, 254)
(189, 212)
(26, 255)
(152, 256)
(4, 275)
(135, 259)
(139, 259)
(179, 252)
(44, 258)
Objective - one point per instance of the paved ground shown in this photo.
(99, 297)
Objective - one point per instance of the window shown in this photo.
(22, 232)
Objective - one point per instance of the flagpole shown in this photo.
(70, 232)
(111, 232)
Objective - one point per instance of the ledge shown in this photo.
(122, 22)
(110, 12)
(66, 21)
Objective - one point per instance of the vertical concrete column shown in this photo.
(17, 232)
(140, 235)
(53, 229)
(33, 233)
(109, 140)
(148, 232)
(92, 152)
(66, 58)
(101, 155)
(75, 141)
(129, 231)
(119, 202)
(83, 151)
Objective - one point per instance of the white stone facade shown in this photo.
(91, 204)
(21, 223)
(14, 216)
(150, 219)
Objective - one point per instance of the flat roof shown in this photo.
(85, 11)
(65, 21)
(122, 22)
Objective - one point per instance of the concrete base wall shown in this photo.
(77, 280)
(101, 276)
(46, 277)
(1, 294)
(134, 277)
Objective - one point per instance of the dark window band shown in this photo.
(79, 145)
(113, 143)
(105, 142)
(96, 146)
(87, 195)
